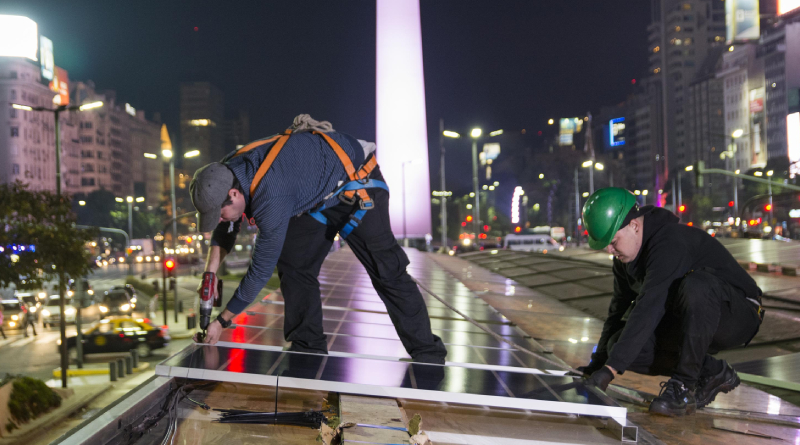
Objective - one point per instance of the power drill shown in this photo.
(209, 299)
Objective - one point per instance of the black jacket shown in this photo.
(669, 250)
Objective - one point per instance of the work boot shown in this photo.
(709, 386)
(675, 399)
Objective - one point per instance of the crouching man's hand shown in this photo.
(602, 377)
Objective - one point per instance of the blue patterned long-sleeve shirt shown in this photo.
(302, 175)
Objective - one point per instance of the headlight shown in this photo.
(42, 295)
(33, 308)
(133, 305)
(125, 307)
(103, 309)
(133, 300)
(70, 293)
(45, 312)
(15, 317)
(90, 292)
(561, 249)
(70, 311)
(11, 324)
(139, 259)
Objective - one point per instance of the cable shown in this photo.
(497, 336)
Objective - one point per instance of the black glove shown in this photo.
(601, 378)
(589, 369)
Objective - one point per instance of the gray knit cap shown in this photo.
(209, 189)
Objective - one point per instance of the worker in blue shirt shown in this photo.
(301, 188)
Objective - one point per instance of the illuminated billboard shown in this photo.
(616, 132)
(60, 85)
(19, 37)
(758, 127)
(490, 152)
(785, 6)
(742, 20)
(793, 143)
(46, 57)
(567, 127)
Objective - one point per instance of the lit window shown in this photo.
(656, 49)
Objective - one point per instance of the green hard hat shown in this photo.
(604, 213)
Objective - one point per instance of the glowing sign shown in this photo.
(567, 127)
(60, 85)
(742, 20)
(400, 127)
(200, 122)
(46, 57)
(19, 37)
(785, 6)
(515, 204)
(793, 143)
(616, 132)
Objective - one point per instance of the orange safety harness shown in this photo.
(349, 193)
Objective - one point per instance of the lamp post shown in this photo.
(476, 133)
(130, 200)
(588, 164)
(62, 307)
(166, 152)
(727, 155)
(443, 134)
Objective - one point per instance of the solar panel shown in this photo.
(452, 384)
(366, 357)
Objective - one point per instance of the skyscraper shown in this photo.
(202, 117)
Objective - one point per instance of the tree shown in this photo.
(39, 239)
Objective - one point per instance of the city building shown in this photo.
(705, 120)
(202, 116)
(780, 50)
(147, 165)
(237, 131)
(742, 76)
(681, 35)
(27, 138)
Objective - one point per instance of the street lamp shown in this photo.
(444, 134)
(56, 112)
(130, 200)
(403, 173)
(598, 166)
(475, 133)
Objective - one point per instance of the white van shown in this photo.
(532, 243)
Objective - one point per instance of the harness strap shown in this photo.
(264, 167)
(254, 144)
(343, 158)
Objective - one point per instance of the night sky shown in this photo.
(494, 64)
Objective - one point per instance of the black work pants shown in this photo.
(704, 315)
(308, 243)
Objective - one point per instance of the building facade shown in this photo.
(681, 35)
(202, 117)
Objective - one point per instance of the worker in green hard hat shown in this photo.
(679, 297)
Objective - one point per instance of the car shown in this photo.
(51, 312)
(121, 334)
(34, 301)
(13, 314)
(532, 243)
(127, 288)
(117, 302)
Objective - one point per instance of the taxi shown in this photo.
(121, 334)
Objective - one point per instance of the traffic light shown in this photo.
(169, 265)
(518, 229)
(768, 207)
(681, 208)
(730, 203)
(469, 218)
(485, 228)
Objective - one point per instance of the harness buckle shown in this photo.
(367, 205)
(355, 220)
(346, 200)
